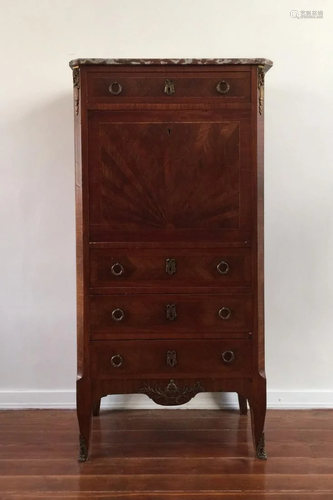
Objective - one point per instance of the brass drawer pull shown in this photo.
(117, 361)
(115, 88)
(170, 266)
(169, 87)
(224, 313)
(228, 356)
(223, 87)
(223, 267)
(117, 269)
(171, 358)
(171, 312)
(118, 315)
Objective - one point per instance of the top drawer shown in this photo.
(118, 86)
(174, 267)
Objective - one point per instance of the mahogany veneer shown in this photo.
(169, 204)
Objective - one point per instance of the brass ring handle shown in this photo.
(117, 269)
(117, 361)
(115, 88)
(223, 87)
(224, 313)
(228, 356)
(118, 315)
(223, 267)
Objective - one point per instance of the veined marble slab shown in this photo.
(161, 62)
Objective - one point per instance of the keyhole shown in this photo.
(169, 131)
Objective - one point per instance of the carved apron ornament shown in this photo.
(171, 395)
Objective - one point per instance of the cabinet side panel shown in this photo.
(258, 217)
(82, 257)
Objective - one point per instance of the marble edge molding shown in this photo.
(267, 63)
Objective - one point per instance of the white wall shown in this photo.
(37, 254)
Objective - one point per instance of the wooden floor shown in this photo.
(169, 455)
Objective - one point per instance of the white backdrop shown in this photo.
(37, 253)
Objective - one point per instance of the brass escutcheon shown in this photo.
(169, 87)
(170, 266)
(171, 358)
(171, 312)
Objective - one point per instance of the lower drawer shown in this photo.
(169, 314)
(171, 359)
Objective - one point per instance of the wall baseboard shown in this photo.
(278, 400)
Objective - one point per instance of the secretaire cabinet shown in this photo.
(169, 225)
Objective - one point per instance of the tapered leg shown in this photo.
(97, 408)
(84, 415)
(242, 404)
(258, 414)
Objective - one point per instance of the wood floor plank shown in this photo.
(314, 436)
(168, 496)
(160, 420)
(166, 455)
(195, 449)
(279, 416)
(162, 437)
(175, 483)
(322, 450)
(158, 465)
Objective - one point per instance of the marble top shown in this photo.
(122, 62)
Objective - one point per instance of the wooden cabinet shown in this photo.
(169, 221)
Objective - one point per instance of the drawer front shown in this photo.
(229, 267)
(117, 86)
(169, 314)
(171, 359)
